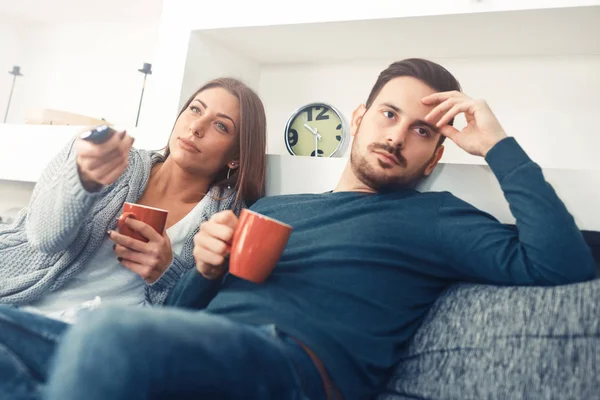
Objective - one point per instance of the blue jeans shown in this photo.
(178, 354)
(27, 343)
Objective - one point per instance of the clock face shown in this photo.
(316, 130)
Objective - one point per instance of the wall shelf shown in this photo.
(543, 32)
(37, 144)
(27, 149)
(529, 64)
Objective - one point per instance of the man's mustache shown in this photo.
(393, 150)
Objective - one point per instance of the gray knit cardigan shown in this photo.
(52, 239)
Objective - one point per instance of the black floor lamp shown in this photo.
(16, 71)
(146, 70)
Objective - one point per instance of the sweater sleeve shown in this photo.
(180, 278)
(158, 291)
(58, 205)
(546, 248)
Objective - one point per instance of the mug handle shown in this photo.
(123, 218)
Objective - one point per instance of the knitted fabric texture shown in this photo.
(52, 239)
(495, 342)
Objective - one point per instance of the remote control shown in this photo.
(99, 134)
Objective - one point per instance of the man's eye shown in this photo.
(388, 114)
(422, 131)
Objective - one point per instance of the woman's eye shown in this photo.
(222, 126)
(388, 114)
(195, 109)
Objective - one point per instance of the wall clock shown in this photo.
(316, 130)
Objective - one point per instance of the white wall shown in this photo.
(550, 104)
(207, 60)
(14, 195)
(11, 53)
(88, 68)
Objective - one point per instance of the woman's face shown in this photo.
(205, 136)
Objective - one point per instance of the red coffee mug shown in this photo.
(257, 245)
(155, 217)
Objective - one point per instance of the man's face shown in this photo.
(393, 147)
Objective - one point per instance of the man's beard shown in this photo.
(380, 182)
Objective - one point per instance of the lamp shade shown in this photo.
(147, 69)
(16, 71)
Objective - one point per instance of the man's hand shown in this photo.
(483, 130)
(212, 244)
(147, 259)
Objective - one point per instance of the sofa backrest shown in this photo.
(476, 184)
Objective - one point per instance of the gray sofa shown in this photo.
(485, 342)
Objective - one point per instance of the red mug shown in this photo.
(155, 217)
(257, 245)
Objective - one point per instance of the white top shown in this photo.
(104, 281)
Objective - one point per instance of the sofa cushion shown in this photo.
(493, 342)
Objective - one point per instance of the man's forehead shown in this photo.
(406, 93)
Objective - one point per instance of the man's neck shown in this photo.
(170, 181)
(349, 182)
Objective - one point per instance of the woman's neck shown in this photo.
(169, 181)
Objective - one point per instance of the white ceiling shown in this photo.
(57, 11)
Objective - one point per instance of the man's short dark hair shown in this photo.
(430, 73)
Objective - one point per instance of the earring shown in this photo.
(233, 164)
(228, 183)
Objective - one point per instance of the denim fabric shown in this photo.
(27, 342)
(176, 354)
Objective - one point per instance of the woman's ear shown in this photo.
(233, 164)
(357, 116)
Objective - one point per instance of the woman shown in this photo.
(57, 256)
(63, 250)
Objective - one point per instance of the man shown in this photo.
(364, 264)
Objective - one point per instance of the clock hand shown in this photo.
(313, 131)
(317, 135)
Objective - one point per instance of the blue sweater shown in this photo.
(361, 270)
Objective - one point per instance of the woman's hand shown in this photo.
(149, 260)
(102, 164)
